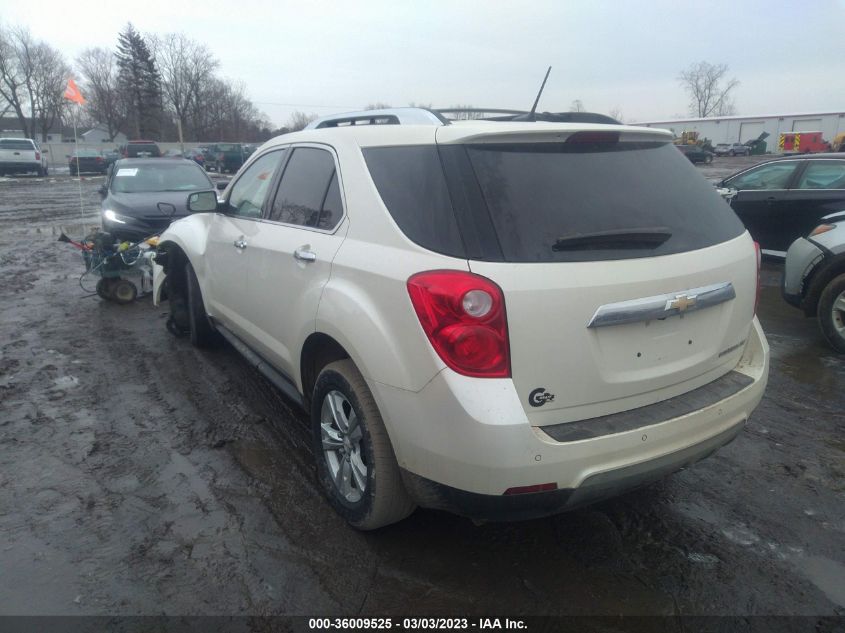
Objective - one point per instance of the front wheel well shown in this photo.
(318, 351)
(818, 280)
(174, 261)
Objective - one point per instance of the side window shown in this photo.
(774, 176)
(823, 175)
(249, 191)
(304, 196)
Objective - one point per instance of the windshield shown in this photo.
(148, 178)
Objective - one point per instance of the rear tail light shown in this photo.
(759, 257)
(463, 315)
(37, 155)
(99, 159)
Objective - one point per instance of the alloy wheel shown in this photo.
(838, 314)
(342, 436)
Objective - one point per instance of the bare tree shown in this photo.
(465, 115)
(185, 67)
(298, 120)
(616, 113)
(378, 105)
(15, 73)
(46, 86)
(105, 102)
(32, 79)
(576, 106)
(709, 89)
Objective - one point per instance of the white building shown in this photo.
(739, 129)
(100, 134)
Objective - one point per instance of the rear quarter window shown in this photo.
(412, 185)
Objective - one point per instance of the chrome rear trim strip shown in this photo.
(662, 306)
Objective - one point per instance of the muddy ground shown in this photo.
(141, 476)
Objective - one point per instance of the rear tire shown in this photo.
(123, 291)
(356, 465)
(831, 311)
(201, 332)
(104, 287)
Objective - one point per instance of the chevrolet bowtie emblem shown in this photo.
(681, 303)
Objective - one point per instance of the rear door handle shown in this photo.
(241, 244)
(304, 255)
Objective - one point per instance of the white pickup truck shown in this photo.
(21, 155)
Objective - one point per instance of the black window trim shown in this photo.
(278, 180)
(273, 182)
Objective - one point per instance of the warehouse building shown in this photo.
(739, 129)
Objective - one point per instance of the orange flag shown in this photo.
(72, 93)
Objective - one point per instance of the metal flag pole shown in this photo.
(78, 174)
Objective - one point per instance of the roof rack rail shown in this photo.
(424, 116)
(385, 116)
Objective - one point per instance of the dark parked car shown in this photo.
(86, 161)
(228, 157)
(110, 155)
(143, 195)
(137, 149)
(784, 199)
(696, 154)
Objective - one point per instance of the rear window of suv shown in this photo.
(559, 202)
(135, 150)
(15, 144)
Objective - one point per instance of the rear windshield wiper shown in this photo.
(621, 239)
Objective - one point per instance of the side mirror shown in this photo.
(103, 190)
(202, 202)
(221, 185)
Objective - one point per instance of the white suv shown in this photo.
(501, 319)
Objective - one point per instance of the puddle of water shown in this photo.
(811, 366)
(826, 574)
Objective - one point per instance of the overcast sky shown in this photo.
(324, 57)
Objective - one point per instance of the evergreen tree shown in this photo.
(140, 83)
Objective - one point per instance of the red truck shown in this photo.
(802, 143)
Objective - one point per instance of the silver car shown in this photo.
(814, 277)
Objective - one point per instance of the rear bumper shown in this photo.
(463, 442)
(20, 167)
(595, 488)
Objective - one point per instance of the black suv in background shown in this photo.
(227, 157)
(140, 149)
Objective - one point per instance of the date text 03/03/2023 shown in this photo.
(414, 624)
